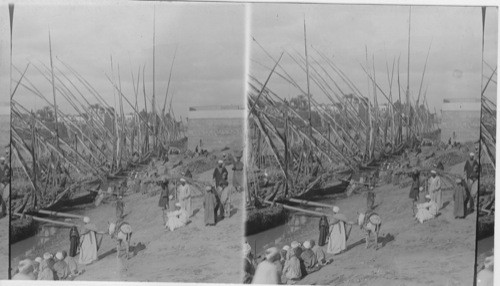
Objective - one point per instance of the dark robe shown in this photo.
(119, 208)
(459, 198)
(469, 169)
(323, 230)
(74, 238)
(415, 188)
(310, 261)
(249, 267)
(210, 205)
(219, 174)
(163, 201)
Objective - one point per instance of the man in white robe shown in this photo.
(88, 246)
(337, 239)
(426, 211)
(435, 189)
(177, 218)
(185, 197)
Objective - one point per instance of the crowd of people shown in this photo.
(429, 203)
(293, 262)
(60, 266)
(285, 266)
(217, 197)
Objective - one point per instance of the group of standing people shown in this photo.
(178, 213)
(217, 201)
(217, 197)
(465, 192)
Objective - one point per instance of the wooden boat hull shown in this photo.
(74, 201)
(332, 188)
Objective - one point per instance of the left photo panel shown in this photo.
(126, 142)
(4, 141)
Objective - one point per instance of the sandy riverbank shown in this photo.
(438, 252)
(194, 253)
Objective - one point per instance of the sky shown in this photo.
(346, 32)
(208, 67)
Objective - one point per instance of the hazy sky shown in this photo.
(343, 32)
(208, 69)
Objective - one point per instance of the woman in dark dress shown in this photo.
(415, 189)
(323, 230)
(74, 238)
(164, 198)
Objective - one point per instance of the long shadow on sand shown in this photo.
(382, 240)
(133, 248)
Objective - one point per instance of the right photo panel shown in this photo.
(371, 145)
(486, 179)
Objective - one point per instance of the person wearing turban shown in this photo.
(435, 190)
(248, 264)
(26, 270)
(267, 272)
(459, 199)
(210, 206)
(88, 247)
(337, 239)
(219, 173)
(309, 258)
(184, 196)
(61, 267)
(292, 269)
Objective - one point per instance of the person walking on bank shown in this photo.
(185, 196)
(415, 189)
(88, 247)
(238, 173)
(225, 198)
(471, 173)
(337, 239)
(163, 202)
(210, 204)
(119, 207)
(219, 173)
(435, 189)
(459, 199)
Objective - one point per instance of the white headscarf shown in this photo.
(59, 256)
(47, 255)
(295, 244)
(335, 209)
(271, 254)
(307, 244)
